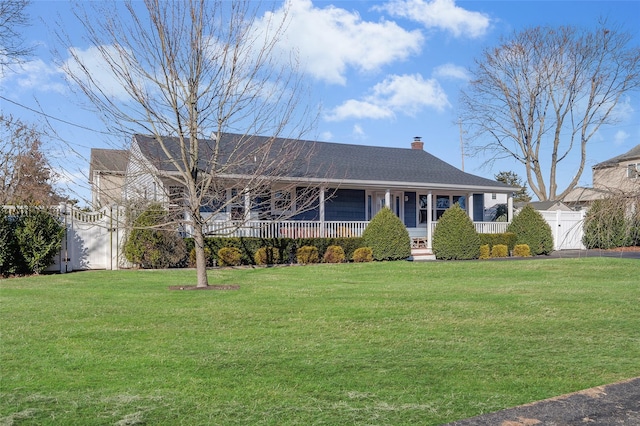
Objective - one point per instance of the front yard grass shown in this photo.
(381, 343)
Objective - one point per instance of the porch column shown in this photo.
(429, 219)
(387, 199)
(510, 207)
(470, 205)
(321, 212)
(247, 206)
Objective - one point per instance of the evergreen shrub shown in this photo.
(531, 229)
(267, 256)
(307, 255)
(152, 243)
(521, 250)
(334, 254)
(229, 256)
(499, 250)
(506, 238)
(606, 227)
(11, 260)
(387, 236)
(363, 254)
(485, 251)
(39, 236)
(455, 237)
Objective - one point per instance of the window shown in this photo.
(423, 205)
(281, 201)
(236, 205)
(442, 203)
(633, 171)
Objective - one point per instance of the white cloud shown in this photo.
(326, 136)
(358, 132)
(451, 71)
(397, 94)
(441, 14)
(331, 40)
(620, 137)
(35, 75)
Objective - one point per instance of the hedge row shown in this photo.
(286, 247)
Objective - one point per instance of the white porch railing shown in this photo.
(285, 229)
(312, 229)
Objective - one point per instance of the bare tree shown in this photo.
(25, 174)
(540, 97)
(12, 16)
(188, 73)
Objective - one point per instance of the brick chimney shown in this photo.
(417, 143)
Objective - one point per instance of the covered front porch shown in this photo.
(346, 213)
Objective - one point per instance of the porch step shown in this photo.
(422, 254)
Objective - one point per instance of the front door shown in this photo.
(397, 206)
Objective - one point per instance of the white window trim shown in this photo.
(292, 201)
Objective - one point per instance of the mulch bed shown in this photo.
(211, 287)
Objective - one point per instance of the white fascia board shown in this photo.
(384, 184)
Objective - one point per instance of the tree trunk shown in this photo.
(201, 259)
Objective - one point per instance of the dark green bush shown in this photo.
(499, 250)
(307, 254)
(152, 243)
(11, 260)
(506, 238)
(455, 237)
(606, 227)
(39, 236)
(387, 237)
(267, 256)
(363, 254)
(334, 254)
(229, 256)
(531, 229)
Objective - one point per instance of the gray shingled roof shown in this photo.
(348, 162)
(632, 154)
(109, 160)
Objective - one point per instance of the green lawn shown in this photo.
(376, 344)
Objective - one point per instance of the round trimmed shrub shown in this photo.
(363, 254)
(531, 229)
(499, 250)
(267, 256)
(229, 256)
(334, 254)
(307, 254)
(485, 252)
(387, 236)
(521, 250)
(455, 237)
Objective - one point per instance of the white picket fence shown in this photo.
(95, 240)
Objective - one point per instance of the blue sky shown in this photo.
(383, 71)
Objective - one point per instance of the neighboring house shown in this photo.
(617, 176)
(107, 169)
(417, 186)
